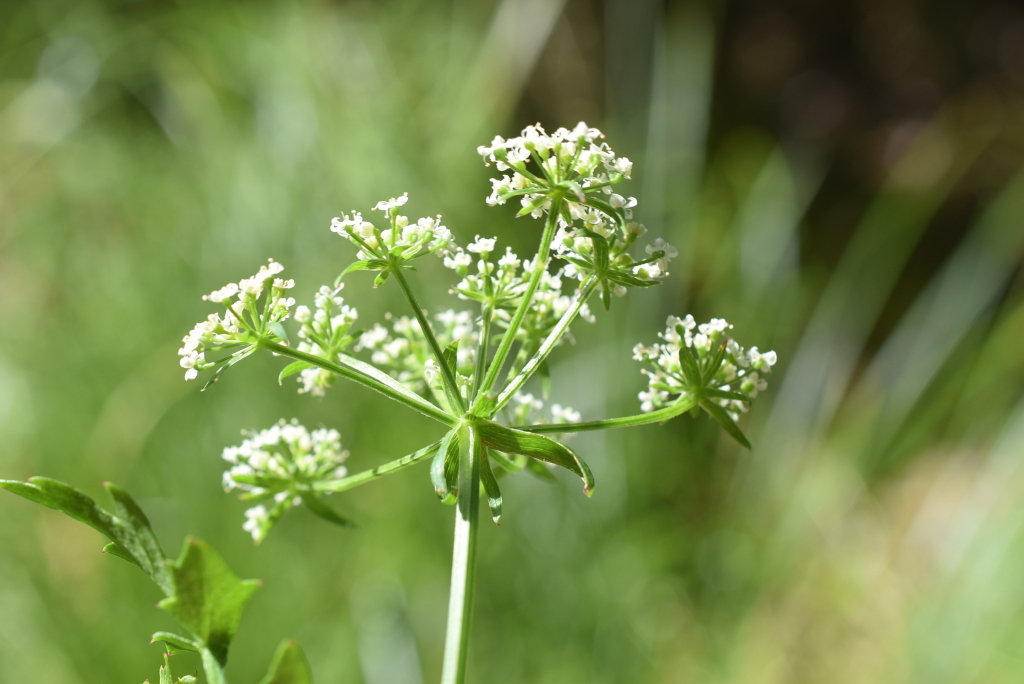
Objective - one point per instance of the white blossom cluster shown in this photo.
(405, 354)
(502, 283)
(404, 240)
(576, 157)
(526, 409)
(275, 464)
(741, 370)
(244, 322)
(324, 333)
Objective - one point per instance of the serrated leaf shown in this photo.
(208, 597)
(129, 530)
(175, 642)
(537, 446)
(317, 506)
(492, 490)
(289, 666)
(292, 369)
(719, 414)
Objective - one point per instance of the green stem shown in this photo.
(586, 289)
(481, 351)
(682, 405)
(539, 267)
(446, 372)
(369, 376)
(460, 602)
(351, 481)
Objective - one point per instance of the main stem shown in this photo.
(460, 602)
(539, 267)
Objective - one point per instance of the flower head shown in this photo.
(280, 464)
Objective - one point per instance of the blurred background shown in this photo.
(843, 181)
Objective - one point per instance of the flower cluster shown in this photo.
(571, 160)
(405, 353)
(243, 324)
(500, 286)
(324, 332)
(278, 465)
(402, 242)
(730, 374)
(525, 409)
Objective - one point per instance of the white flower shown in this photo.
(284, 458)
(564, 415)
(737, 369)
(481, 245)
(390, 206)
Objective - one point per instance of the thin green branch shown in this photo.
(351, 481)
(368, 376)
(539, 267)
(681, 406)
(486, 316)
(467, 514)
(447, 376)
(583, 293)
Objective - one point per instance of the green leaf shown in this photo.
(507, 463)
(317, 506)
(444, 469)
(715, 363)
(536, 446)
(451, 355)
(630, 280)
(492, 490)
(289, 666)
(208, 597)
(175, 643)
(279, 330)
(606, 295)
(167, 678)
(601, 256)
(129, 530)
(532, 205)
(723, 394)
(719, 414)
(381, 278)
(365, 265)
(691, 368)
(541, 471)
(292, 369)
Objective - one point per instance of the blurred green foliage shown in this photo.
(150, 152)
